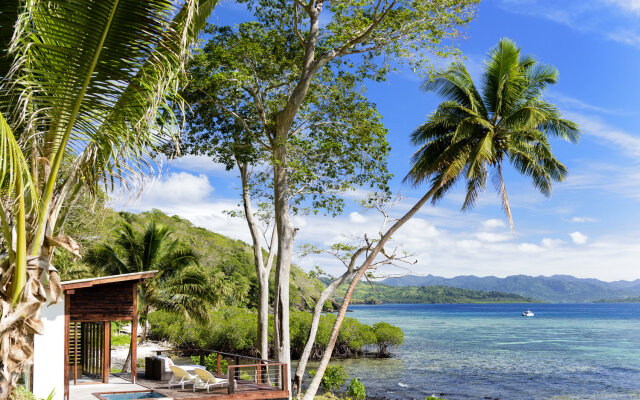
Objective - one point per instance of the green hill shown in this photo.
(624, 300)
(556, 288)
(229, 261)
(379, 293)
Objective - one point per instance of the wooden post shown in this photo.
(67, 327)
(259, 373)
(75, 353)
(283, 377)
(134, 335)
(237, 370)
(202, 358)
(219, 365)
(232, 382)
(106, 352)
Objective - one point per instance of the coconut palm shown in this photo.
(473, 133)
(179, 285)
(469, 137)
(86, 95)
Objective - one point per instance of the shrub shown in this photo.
(386, 336)
(356, 390)
(22, 393)
(211, 362)
(333, 379)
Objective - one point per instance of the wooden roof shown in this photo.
(102, 280)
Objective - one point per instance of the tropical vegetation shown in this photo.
(378, 294)
(232, 329)
(87, 91)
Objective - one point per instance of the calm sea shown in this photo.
(489, 351)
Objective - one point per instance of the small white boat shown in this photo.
(527, 313)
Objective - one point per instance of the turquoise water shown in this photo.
(489, 351)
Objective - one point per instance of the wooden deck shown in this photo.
(243, 391)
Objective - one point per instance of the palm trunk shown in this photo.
(19, 323)
(315, 322)
(315, 383)
(126, 367)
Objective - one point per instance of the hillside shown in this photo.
(556, 288)
(365, 294)
(229, 260)
(624, 300)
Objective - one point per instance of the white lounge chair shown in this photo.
(207, 380)
(181, 377)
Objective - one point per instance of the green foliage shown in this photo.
(211, 362)
(433, 398)
(233, 329)
(180, 284)
(121, 340)
(387, 336)
(227, 262)
(337, 141)
(356, 390)
(333, 379)
(474, 132)
(365, 294)
(22, 393)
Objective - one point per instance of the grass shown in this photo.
(121, 340)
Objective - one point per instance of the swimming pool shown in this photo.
(133, 395)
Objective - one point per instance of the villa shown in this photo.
(73, 357)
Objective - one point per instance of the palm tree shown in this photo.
(179, 286)
(87, 93)
(472, 134)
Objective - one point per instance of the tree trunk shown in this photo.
(262, 271)
(19, 323)
(315, 383)
(263, 315)
(282, 345)
(315, 322)
(126, 367)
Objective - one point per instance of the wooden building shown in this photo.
(75, 348)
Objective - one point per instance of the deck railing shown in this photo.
(242, 370)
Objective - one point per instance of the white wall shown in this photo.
(48, 360)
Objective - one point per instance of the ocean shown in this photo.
(489, 351)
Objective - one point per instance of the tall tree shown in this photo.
(179, 286)
(361, 38)
(338, 142)
(86, 95)
(470, 135)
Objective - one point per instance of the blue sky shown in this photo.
(589, 226)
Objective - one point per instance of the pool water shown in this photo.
(147, 394)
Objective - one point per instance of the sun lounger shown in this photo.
(181, 377)
(207, 380)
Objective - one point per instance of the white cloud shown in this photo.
(530, 248)
(177, 187)
(632, 6)
(357, 218)
(578, 238)
(552, 243)
(628, 143)
(492, 237)
(493, 223)
(592, 17)
(196, 164)
(583, 219)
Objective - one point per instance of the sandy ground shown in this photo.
(146, 349)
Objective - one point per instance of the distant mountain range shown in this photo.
(556, 288)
